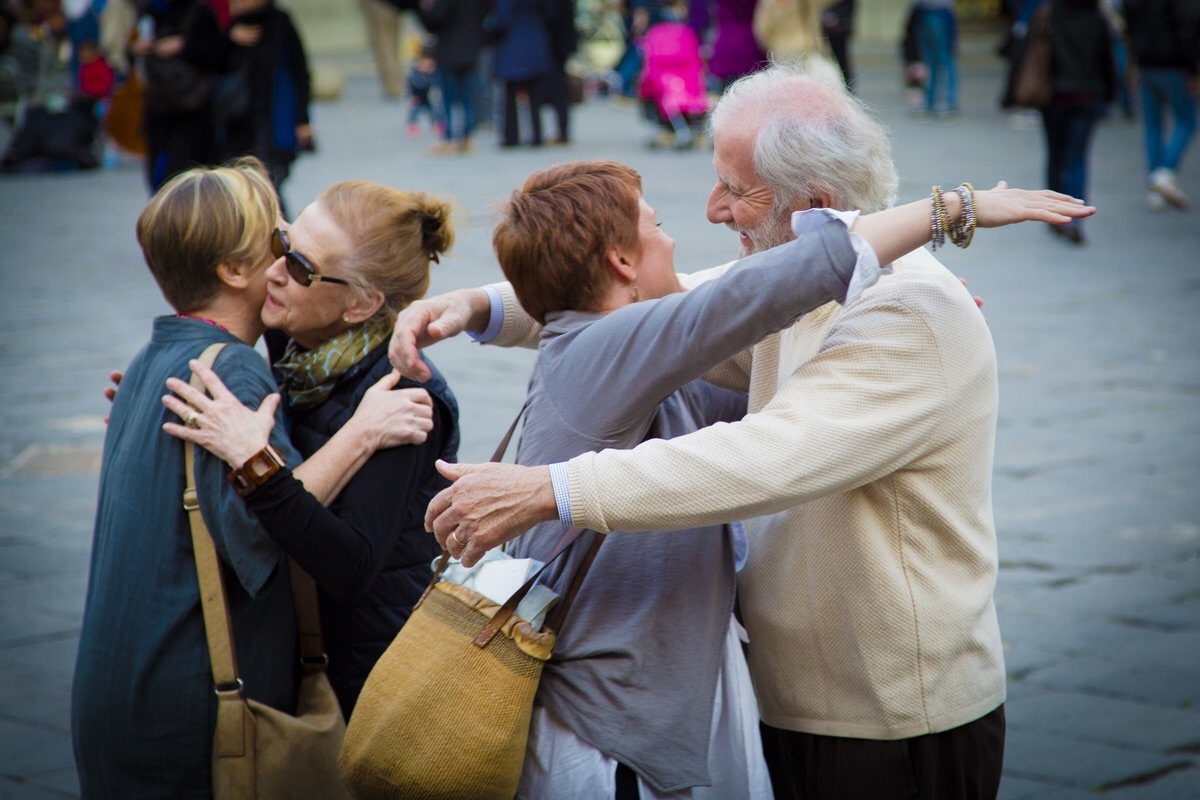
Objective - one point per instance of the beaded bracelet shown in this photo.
(964, 231)
(937, 220)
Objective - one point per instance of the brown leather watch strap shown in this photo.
(257, 470)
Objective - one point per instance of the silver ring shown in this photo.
(191, 419)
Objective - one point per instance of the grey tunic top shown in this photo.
(639, 655)
(143, 709)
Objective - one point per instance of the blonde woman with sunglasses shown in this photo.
(143, 708)
(341, 273)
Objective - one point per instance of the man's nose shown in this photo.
(717, 210)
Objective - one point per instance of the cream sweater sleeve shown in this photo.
(517, 329)
(867, 403)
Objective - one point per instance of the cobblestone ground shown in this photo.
(1097, 454)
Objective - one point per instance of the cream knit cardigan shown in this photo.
(865, 466)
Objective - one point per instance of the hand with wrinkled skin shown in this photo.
(234, 433)
(488, 505)
(230, 431)
(425, 322)
(396, 416)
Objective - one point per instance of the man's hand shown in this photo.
(428, 321)
(488, 505)
(403, 416)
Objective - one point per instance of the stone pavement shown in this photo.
(1097, 460)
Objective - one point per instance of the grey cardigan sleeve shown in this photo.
(640, 354)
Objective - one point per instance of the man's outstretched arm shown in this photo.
(431, 320)
(487, 505)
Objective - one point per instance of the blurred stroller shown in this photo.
(672, 87)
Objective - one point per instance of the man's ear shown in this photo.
(820, 201)
(363, 306)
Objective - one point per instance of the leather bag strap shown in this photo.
(217, 626)
(558, 615)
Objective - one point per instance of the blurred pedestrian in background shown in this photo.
(914, 73)
(422, 77)
(1084, 81)
(523, 58)
(1164, 37)
(837, 23)
(564, 41)
(790, 33)
(936, 28)
(384, 22)
(270, 85)
(457, 27)
(735, 51)
(181, 49)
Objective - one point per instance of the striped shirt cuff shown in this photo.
(495, 317)
(560, 480)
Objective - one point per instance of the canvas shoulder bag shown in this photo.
(445, 713)
(259, 752)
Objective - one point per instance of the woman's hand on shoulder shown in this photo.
(220, 423)
(395, 417)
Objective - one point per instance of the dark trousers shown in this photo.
(176, 142)
(963, 763)
(839, 44)
(531, 88)
(556, 92)
(1068, 142)
(627, 784)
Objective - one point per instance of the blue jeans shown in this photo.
(458, 91)
(1068, 139)
(936, 36)
(1162, 89)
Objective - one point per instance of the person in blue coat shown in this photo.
(143, 710)
(523, 58)
(345, 267)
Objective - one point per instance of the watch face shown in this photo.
(257, 470)
(261, 466)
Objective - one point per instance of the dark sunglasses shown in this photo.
(298, 266)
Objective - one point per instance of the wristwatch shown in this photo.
(257, 470)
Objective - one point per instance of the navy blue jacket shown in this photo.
(368, 552)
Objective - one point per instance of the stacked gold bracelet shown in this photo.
(937, 220)
(963, 231)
